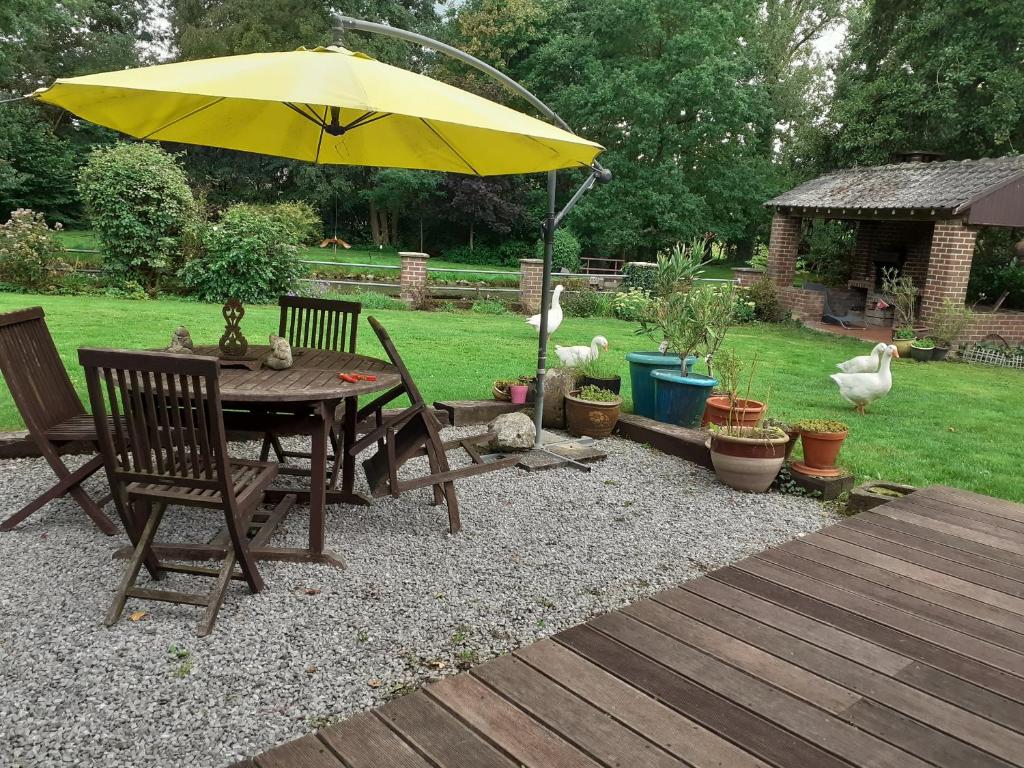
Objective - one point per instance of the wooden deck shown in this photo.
(894, 639)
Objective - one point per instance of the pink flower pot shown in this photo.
(518, 392)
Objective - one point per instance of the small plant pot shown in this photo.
(821, 449)
(745, 413)
(518, 393)
(501, 393)
(589, 419)
(680, 399)
(903, 346)
(921, 354)
(613, 385)
(747, 463)
(939, 353)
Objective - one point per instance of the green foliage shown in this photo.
(248, 257)
(297, 219)
(30, 255)
(480, 253)
(728, 371)
(904, 295)
(603, 366)
(744, 311)
(593, 394)
(767, 306)
(140, 203)
(821, 425)
(641, 275)
(584, 303)
(633, 304)
(996, 270)
(566, 251)
(372, 300)
(693, 322)
(925, 343)
(903, 333)
(490, 307)
(949, 321)
(678, 267)
(830, 254)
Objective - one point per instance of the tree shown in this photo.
(937, 75)
(396, 192)
(497, 203)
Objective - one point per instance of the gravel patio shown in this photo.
(538, 553)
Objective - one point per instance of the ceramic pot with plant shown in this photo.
(592, 412)
(747, 458)
(902, 338)
(601, 372)
(502, 389)
(727, 408)
(791, 432)
(822, 439)
(922, 349)
(949, 322)
(517, 393)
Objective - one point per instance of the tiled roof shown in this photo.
(945, 185)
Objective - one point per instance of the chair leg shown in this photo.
(272, 441)
(240, 545)
(216, 597)
(67, 483)
(142, 550)
(439, 496)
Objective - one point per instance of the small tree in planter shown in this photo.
(728, 407)
(822, 439)
(948, 324)
(904, 300)
(592, 411)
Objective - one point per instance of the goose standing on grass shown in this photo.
(862, 389)
(864, 363)
(575, 356)
(554, 314)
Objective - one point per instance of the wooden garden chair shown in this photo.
(165, 444)
(414, 432)
(51, 409)
(314, 324)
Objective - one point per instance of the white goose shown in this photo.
(862, 389)
(864, 363)
(574, 356)
(554, 314)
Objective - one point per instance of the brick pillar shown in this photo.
(782, 248)
(744, 277)
(531, 276)
(949, 265)
(413, 280)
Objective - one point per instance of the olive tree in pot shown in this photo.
(728, 407)
(903, 292)
(592, 412)
(948, 324)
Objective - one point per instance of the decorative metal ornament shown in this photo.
(233, 343)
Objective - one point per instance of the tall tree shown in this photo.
(929, 74)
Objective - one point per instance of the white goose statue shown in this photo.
(862, 389)
(554, 314)
(864, 363)
(575, 356)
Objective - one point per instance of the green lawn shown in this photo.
(942, 423)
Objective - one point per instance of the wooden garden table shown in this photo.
(301, 400)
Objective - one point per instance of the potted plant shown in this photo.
(591, 411)
(747, 458)
(601, 372)
(727, 407)
(791, 432)
(518, 392)
(675, 273)
(502, 389)
(902, 338)
(822, 439)
(921, 349)
(948, 324)
(903, 292)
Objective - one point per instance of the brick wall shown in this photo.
(413, 278)
(782, 249)
(531, 276)
(746, 277)
(803, 304)
(1008, 325)
(949, 265)
(912, 237)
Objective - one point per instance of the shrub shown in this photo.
(139, 201)
(30, 255)
(248, 256)
(480, 254)
(631, 304)
(298, 219)
(585, 303)
(640, 275)
(745, 310)
(830, 251)
(765, 296)
(511, 251)
(566, 253)
(490, 307)
(949, 322)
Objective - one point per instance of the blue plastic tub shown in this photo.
(640, 366)
(678, 399)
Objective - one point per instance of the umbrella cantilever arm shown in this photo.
(554, 219)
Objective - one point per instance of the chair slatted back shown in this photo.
(40, 386)
(159, 417)
(319, 323)
(396, 360)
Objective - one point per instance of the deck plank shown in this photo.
(893, 639)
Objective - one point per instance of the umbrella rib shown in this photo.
(320, 139)
(449, 145)
(313, 118)
(177, 120)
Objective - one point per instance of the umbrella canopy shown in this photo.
(324, 105)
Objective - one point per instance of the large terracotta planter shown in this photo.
(821, 449)
(747, 463)
(589, 419)
(903, 346)
(745, 413)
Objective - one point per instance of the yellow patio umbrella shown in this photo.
(322, 105)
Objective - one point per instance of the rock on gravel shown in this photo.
(538, 553)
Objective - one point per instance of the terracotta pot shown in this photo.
(745, 413)
(793, 435)
(821, 449)
(747, 463)
(589, 419)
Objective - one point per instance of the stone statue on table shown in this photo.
(181, 342)
(280, 355)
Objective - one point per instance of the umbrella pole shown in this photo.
(545, 307)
